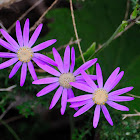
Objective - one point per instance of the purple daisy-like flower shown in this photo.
(101, 95)
(23, 53)
(64, 76)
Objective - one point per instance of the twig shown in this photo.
(75, 30)
(127, 9)
(130, 115)
(23, 15)
(71, 42)
(8, 89)
(10, 130)
(41, 18)
(133, 95)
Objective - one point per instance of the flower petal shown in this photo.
(81, 103)
(111, 78)
(58, 60)
(47, 89)
(106, 114)
(23, 74)
(67, 59)
(7, 46)
(117, 106)
(80, 77)
(8, 63)
(43, 45)
(32, 70)
(88, 80)
(80, 98)
(47, 80)
(26, 32)
(120, 91)
(35, 35)
(47, 68)
(7, 55)
(82, 87)
(45, 58)
(99, 75)
(72, 60)
(64, 101)
(84, 108)
(85, 66)
(56, 97)
(9, 39)
(117, 80)
(120, 98)
(15, 69)
(96, 116)
(19, 34)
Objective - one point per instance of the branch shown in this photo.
(133, 95)
(8, 89)
(130, 115)
(41, 18)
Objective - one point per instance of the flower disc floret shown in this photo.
(25, 54)
(65, 79)
(100, 96)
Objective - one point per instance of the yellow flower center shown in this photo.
(65, 79)
(25, 54)
(100, 96)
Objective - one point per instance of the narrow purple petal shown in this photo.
(82, 82)
(8, 63)
(38, 61)
(111, 78)
(117, 80)
(85, 66)
(67, 59)
(117, 106)
(120, 98)
(47, 68)
(9, 39)
(120, 91)
(72, 60)
(88, 80)
(35, 35)
(81, 103)
(56, 97)
(80, 98)
(96, 116)
(23, 74)
(15, 69)
(58, 60)
(106, 114)
(7, 55)
(80, 77)
(19, 33)
(32, 70)
(47, 80)
(47, 89)
(99, 75)
(64, 101)
(43, 45)
(45, 58)
(26, 33)
(82, 87)
(7, 45)
(84, 108)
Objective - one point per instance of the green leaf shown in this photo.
(123, 26)
(135, 12)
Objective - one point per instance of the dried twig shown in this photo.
(133, 95)
(75, 30)
(130, 115)
(8, 89)
(127, 9)
(41, 18)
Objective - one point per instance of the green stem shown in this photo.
(11, 130)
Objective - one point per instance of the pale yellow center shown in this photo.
(65, 79)
(100, 96)
(25, 54)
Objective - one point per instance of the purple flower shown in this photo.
(23, 53)
(64, 76)
(101, 95)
